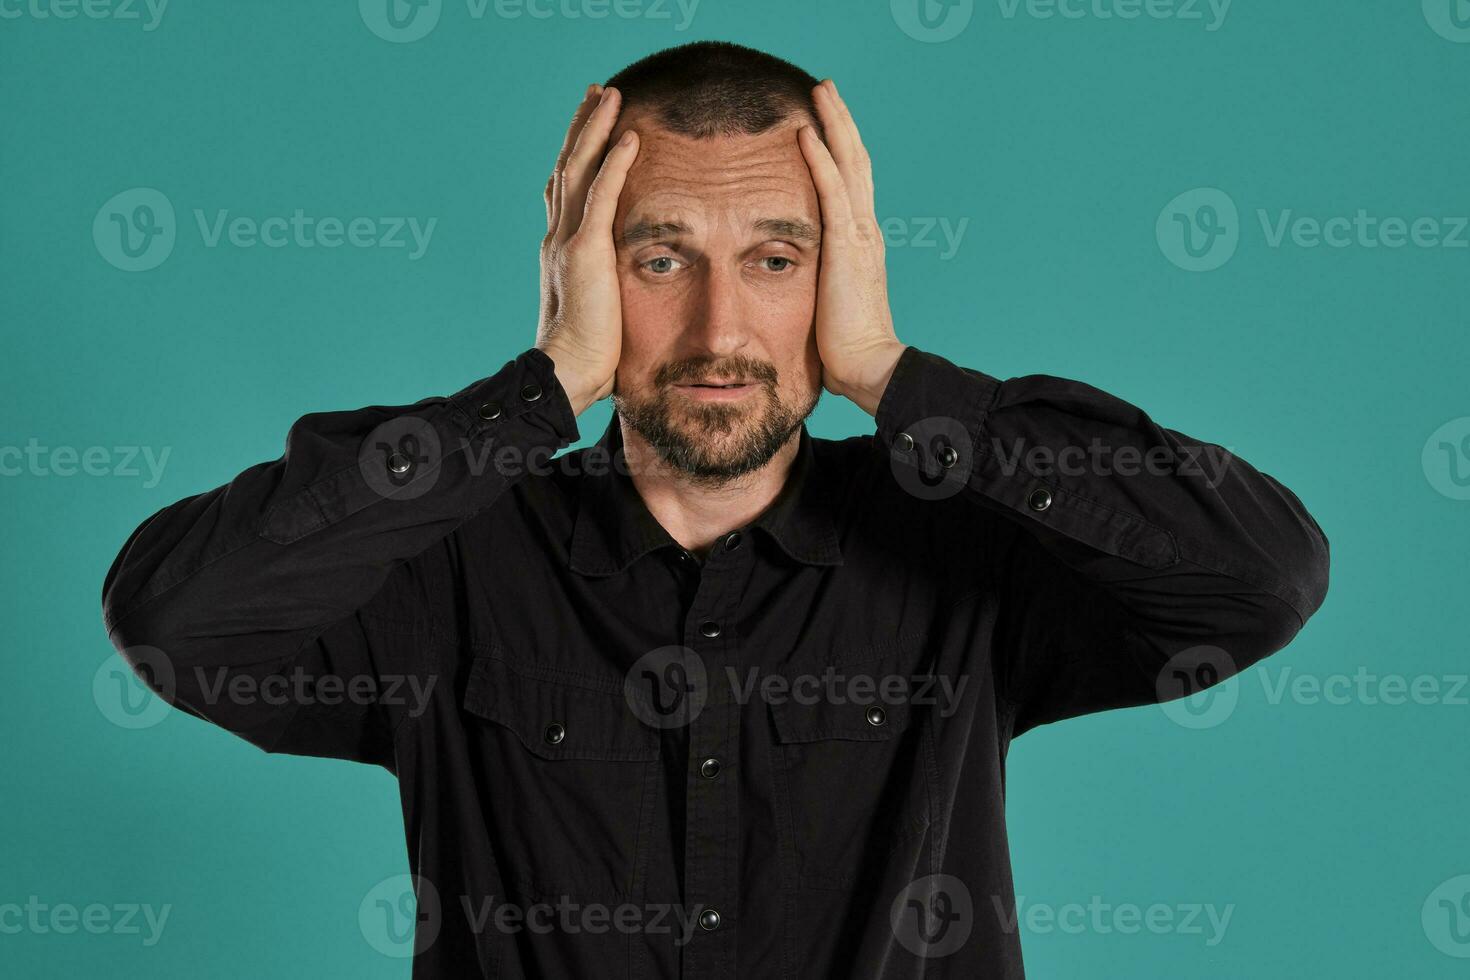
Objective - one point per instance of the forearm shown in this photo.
(1072, 461)
(580, 384)
(1168, 542)
(293, 545)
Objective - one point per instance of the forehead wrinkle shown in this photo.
(725, 181)
(680, 186)
(719, 161)
(761, 203)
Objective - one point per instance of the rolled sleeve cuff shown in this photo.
(525, 386)
(930, 394)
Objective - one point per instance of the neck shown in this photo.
(694, 512)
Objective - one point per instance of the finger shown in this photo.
(581, 166)
(831, 189)
(833, 116)
(846, 146)
(579, 119)
(602, 196)
(854, 137)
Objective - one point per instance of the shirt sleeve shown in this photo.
(1124, 552)
(260, 586)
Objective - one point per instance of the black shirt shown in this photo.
(785, 761)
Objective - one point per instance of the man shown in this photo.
(713, 698)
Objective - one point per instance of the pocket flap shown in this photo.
(874, 721)
(869, 698)
(556, 719)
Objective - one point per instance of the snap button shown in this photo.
(1039, 499)
(709, 768)
(710, 629)
(555, 734)
(904, 442)
(530, 392)
(709, 920)
(490, 411)
(877, 717)
(399, 464)
(949, 457)
(732, 540)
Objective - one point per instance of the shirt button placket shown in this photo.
(712, 804)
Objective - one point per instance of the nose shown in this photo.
(719, 324)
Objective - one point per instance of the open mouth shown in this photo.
(714, 391)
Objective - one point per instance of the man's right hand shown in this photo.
(581, 326)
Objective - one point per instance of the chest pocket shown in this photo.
(568, 776)
(854, 763)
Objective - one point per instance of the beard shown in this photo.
(713, 443)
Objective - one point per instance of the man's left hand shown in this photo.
(854, 326)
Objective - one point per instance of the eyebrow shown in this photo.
(652, 231)
(789, 228)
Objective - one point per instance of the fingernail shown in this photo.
(627, 138)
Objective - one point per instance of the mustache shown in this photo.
(695, 369)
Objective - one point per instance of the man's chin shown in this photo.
(714, 440)
(714, 454)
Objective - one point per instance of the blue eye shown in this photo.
(654, 265)
(785, 262)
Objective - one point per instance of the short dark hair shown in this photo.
(716, 88)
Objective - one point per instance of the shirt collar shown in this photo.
(614, 527)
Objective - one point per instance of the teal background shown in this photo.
(1326, 826)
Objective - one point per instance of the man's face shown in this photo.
(717, 247)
